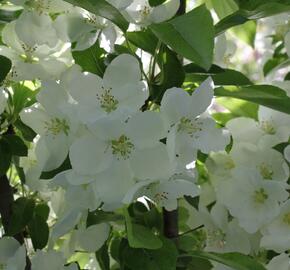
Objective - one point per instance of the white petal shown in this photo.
(50, 260)
(92, 238)
(175, 104)
(151, 163)
(55, 147)
(175, 189)
(146, 129)
(120, 177)
(122, 70)
(89, 155)
(201, 98)
(66, 223)
(244, 129)
(76, 179)
(36, 118)
(52, 97)
(8, 247)
(287, 153)
(211, 138)
(82, 86)
(40, 29)
(164, 11)
(3, 100)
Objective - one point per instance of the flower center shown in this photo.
(268, 127)
(229, 164)
(216, 238)
(158, 197)
(188, 126)
(107, 101)
(266, 171)
(145, 11)
(122, 147)
(286, 218)
(40, 5)
(56, 126)
(260, 196)
(27, 56)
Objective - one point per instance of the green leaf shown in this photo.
(219, 75)
(103, 258)
(27, 133)
(100, 216)
(22, 212)
(22, 97)
(17, 146)
(5, 66)
(42, 210)
(235, 260)
(190, 35)
(38, 231)
(103, 9)
(239, 107)
(144, 39)
(159, 259)
(171, 75)
(246, 32)
(9, 15)
(252, 12)
(154, 3)
(266, 95)
(223, 8)
(5, 157)
(91, 59)
(140, 236)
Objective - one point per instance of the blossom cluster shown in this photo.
(119, 146)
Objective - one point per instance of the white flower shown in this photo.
(83, 28)
(267, 161)
(276, 236)
(12, 254)
(44, 6)
(224, 50)
(164, 193)
(36, 53)
(121, 89)
(190, 131)
(54, 121)
(273, 128)
(252, 200)
(135, 142)
(140, 12)
(281, 262)
(223, 235)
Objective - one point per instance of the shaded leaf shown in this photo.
(190, 35)
(266, 95)
(103, 9)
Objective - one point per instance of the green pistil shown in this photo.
(260, 196)
(56, 126)
(122, 147)
(188, 126)
(268, 127)
(107, 101)
(266, 171)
